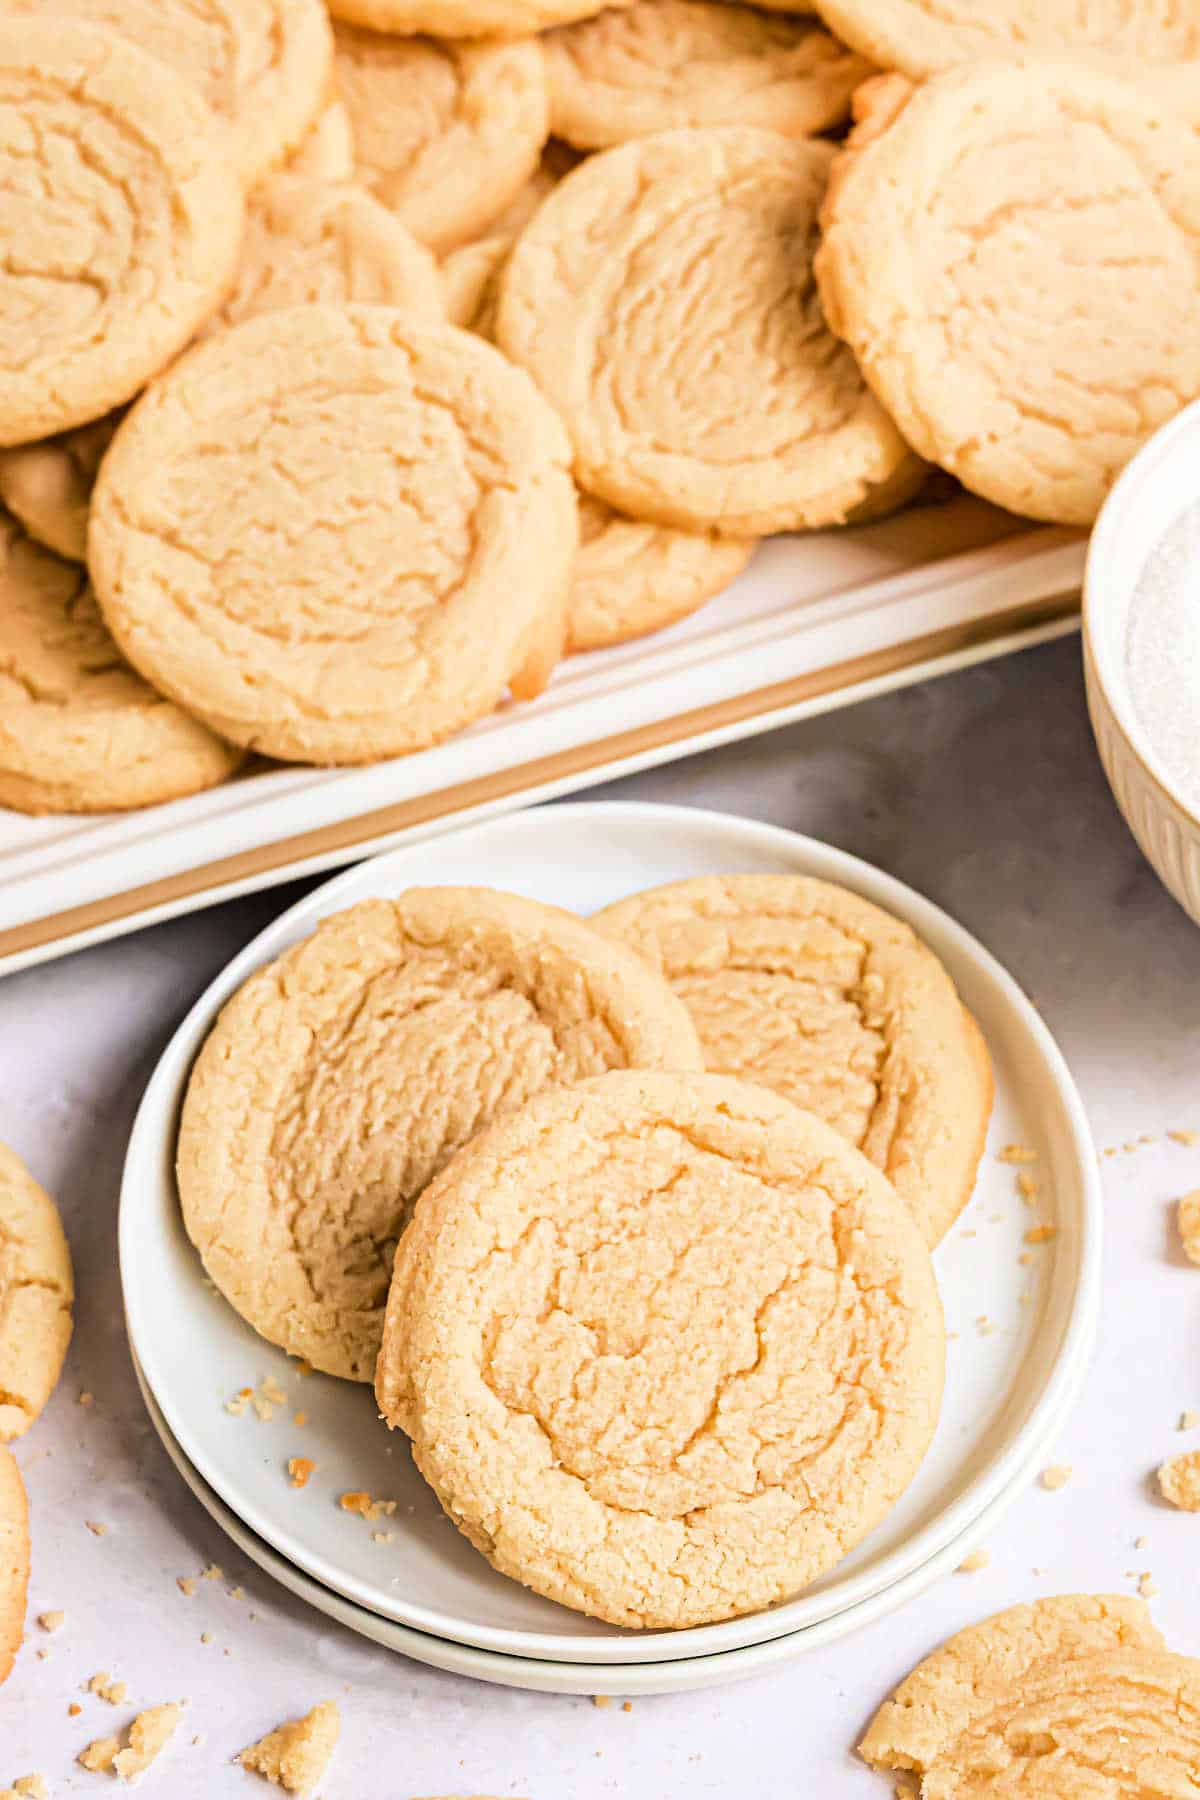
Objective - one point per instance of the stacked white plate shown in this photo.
(1020, 1330)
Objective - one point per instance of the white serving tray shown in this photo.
(815, 622)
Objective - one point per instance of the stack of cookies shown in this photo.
(515, 323)
(628, 1220)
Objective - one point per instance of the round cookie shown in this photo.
(968, 262)
(631, 578)
(129, 230)
(263, 66)
(48, 486)
(667, 1348)
(326, 152)
(336, 535)
(662, 298)
(14, 1560)
(311, 242)
(469, 273)
(340, 1078)
(838, 1006)
(661, 64)
(464, 18)
(979, 1670)
(79, 730)
(445, 134)
(36, 1295)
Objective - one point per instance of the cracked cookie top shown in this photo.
(340, 1079)
(666, 1346)
(36, 1295)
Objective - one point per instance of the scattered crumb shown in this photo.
(1188, 1420)
(239, 1402)
(977, 1559)
(237, 1593)
(304, 1367)
(969, 1233)
(952, 1337)
(381, 1537)
(300, 1418)
(627, 1706)
(1189, 1225)
(1109, 1150)
(74, 1709)
(1016, 1153)
(1139, 1543)
(270, 1390)
(114, 1692)
(86, 1398)
(357, 1501)
(95, 1527)
(32, 1787)
(296, 1755)
(52, 1621)
(1056, 1476)
(1147, 1587)
(43, 1656)
(1185, 1137)
(99, 1754)
(984, 1326)
(206, 1637)
(602, 1700)
(149, 1734)
(1025, 1259)
(1038, 1571)
(1027, 1187)
(380, 1509)
(214, 1572)
(300, 1468)
(1129, 1145)
(186, 1584)
(1041, 1234)
(1179, 1481)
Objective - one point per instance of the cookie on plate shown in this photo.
(968, 263)
(36, 1295)
(1072, 1695)
(659, 64)
(815, 992)
(335, 534)
(631, 578)
(667, 1347)
(263, 66)
(446, 134)
(48, 486)
(14, 1560)
(87, 315)
(341, 1077)
(464, 18)
(79, 730)
(662, 299)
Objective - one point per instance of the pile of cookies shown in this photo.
(515, 323)
(629, 1220)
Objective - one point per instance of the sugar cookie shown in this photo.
(968, 261)
(445, 134)
(631, 578)
(14, 1560)
(667, 1348)
(1179, 1481)
(977, 1673)
(79, 730)
(465, 18)
(48, 486)
(469, 272)
(36, 1293)
(660, 64)
(263, 66)
(336, 535)
(129, 229)
(311, 242)
(326, 152)
(340, 1079)
(662, 298)
(838, 1006)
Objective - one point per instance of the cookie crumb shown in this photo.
(110, 1691)
(186, 1584)
(300, 1418)
(1016, 1153)
(1179, 1481)
(214, 1572)
(304, 1367)
(149, 1735)
(627, 1706)
(1028, 1188)
(602, 1700)
(976, 1559)
(1056, 1476)
(1026, 1258)
(380, 1509)
(1147, 1586)
(1189, 1224)
(99, 1754)
(1139, 1543)
(300, 1468)
(95, 1527)
(32, 1787)
(356, 1501)
(1041, 1234)
(206, 1637)
(87, 1398)
(240, 1401)
(1188, 1420)
(381, 1537)
(52, 1621)
(1185, 1137)
(296, 1755)
(74, 1709)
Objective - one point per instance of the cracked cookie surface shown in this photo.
(1012, 251)
(661, 64)
(36, 1296)
(80, 731)
(263, 66)
(663, 300)
(445, 134)
(832, 1002)
(48, 486)
(667, 1347)
(340, 1079)
(336, 534)
(116, 183)
(14, 1560)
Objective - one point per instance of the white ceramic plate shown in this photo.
(1011, 1359)
(598, 1678)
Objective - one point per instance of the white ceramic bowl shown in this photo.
(1161, 481)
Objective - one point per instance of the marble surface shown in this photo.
(983, 791)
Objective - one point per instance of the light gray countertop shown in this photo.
(981, 790)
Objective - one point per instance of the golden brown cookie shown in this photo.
(36, 1294)
(263, 66)
(445, 134)
(661, 64)
(469, 272)
(838, 1006)
(341, 1078)
(464, 18)
(115, 179)
(48, 486)
(14, 1560)
(1179, 1481)
(662, 299)
(667, 1348)
(337, 535)
(311, 242)
(79, 730)
(295, 1756)
(968, 262)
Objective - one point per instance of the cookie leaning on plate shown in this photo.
(130, 228)
(335, 534)
(968, 263)
(14, 1560)
(832, 1002)
(662, 299)
(36, 1294)
(667, 1347)
(340, 1078)
(631, 578)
